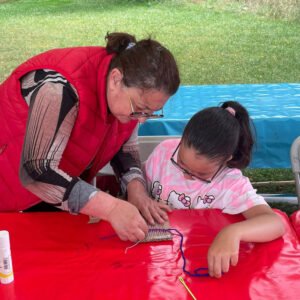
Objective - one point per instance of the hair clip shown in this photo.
(231, 110)
(130, 45)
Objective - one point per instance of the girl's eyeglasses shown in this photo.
(193, 176)
(140, 114)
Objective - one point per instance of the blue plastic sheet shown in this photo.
(274, 109)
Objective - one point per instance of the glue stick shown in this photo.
(6, 270)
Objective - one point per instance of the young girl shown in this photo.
(203, 170)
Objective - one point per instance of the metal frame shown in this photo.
(295, 161)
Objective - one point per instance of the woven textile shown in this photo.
(157, 233)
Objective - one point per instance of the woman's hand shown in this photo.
(123, 216)
(127, 222)
(223, 252)
(151, 210)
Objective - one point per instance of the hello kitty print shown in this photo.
(180, 200)
(230, 191)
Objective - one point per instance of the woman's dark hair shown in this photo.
(145, 64)
(219, 132)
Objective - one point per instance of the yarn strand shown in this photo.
(198, 272)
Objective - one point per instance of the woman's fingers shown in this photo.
(147, 214)
(143, 227)
(158, 213)
(157, 216)
(128, 222)
(154, 213)
(135, 234)
(122, 237)
(164, 207)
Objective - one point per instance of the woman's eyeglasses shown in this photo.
(140, 114)
(193, 176)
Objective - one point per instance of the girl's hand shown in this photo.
(262, 224)
(223, 252)
(151, 210)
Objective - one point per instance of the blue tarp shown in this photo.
(274, 109)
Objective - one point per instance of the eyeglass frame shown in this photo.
(184, 171)
(140, 114)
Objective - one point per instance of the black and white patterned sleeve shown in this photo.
(53, 108)
(127, 163)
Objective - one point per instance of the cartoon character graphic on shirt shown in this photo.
(156, 190)
(179, 200)
(206, 200)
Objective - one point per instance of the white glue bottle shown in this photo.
(6, 270)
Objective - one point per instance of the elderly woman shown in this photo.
(67, 112)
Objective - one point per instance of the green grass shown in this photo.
(212, 46)
(214, 42)
(279, 9)
(285, 174)
(272, 175)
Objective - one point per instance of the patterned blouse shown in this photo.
(53, 107)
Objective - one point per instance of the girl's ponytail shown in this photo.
(242, 155)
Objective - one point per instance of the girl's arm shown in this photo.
(261, 225)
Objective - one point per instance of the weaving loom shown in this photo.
(158, 232)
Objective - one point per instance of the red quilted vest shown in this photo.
(96, 137)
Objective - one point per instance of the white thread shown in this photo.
(132, 246)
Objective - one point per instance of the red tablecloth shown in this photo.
(60, 256)
(295, 220)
